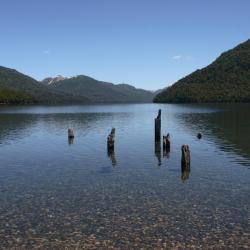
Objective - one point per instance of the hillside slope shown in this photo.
(16, 87)
(102, 92)
(227, 79)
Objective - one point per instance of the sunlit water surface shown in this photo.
(55, 194)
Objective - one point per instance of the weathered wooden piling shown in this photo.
(158, 126)
(166, 145)
(185, 156)
(185, 162)
(111, 140)
(70, 133)
(184, 173)
(166, 142)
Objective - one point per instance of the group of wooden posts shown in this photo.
(110, 143)
(185, 156)
(185, 152)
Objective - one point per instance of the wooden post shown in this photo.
(166, 144)
(185, 156)
(70, 133)
(185, 174)
(158, 126)
(111, 146)
(111, 140)
(185, 162)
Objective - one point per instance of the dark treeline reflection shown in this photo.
(18, 126)
(229, 127)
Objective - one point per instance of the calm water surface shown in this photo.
(60, 195)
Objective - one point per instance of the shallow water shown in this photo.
(55, 194)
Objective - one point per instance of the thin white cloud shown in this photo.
(46, 52)
(177, 57)
(182, 57)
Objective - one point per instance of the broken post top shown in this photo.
(112, 133)
(166, 136)
(159, 114)
(185, 148)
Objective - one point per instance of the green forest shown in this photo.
(8, 96)
(227, 79)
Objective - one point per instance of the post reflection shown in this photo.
(111, 155)
(185, 162)
(158, 151)
(166, 153)
(70, 140)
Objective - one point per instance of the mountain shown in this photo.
(102, 92)
(51, 80)
(16, 87)
(227, 79)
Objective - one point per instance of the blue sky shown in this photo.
(147, 43)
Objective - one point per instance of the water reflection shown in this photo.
(111, 155)
(13, 127)
(229, 128)
(17, 126)
(166, 153)
(70, 140)
(158, 151)
(54, 196)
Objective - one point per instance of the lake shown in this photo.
(60, 194)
